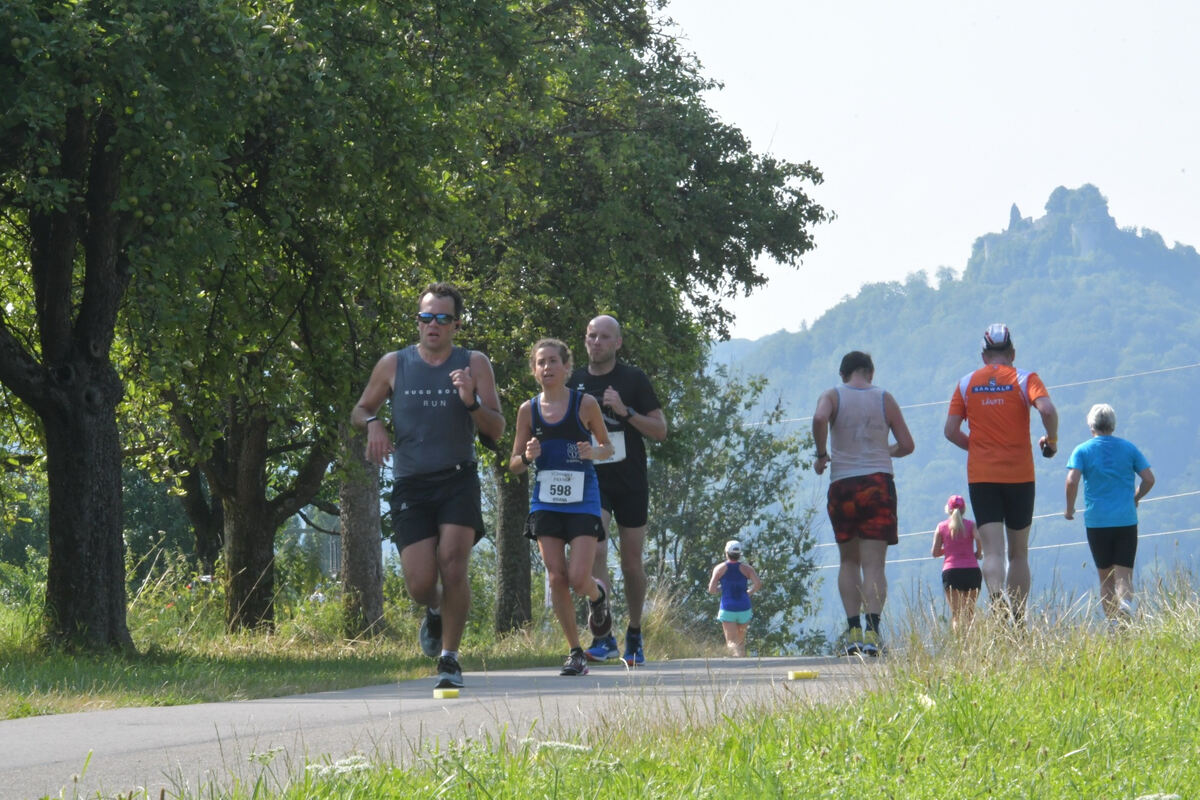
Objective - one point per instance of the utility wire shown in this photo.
(1056, 386)
(1040, 547)
(1142, 502)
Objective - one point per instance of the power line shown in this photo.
(1040, 547)
(1039, 516)
(1056, 386)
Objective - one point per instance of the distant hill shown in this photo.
(1101, 313)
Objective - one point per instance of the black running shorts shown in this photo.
(1010, 503)
(421, 504)
(1113, 547)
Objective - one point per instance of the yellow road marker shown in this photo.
(800, 674)
(445, 694)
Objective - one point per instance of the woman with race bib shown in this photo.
(554, 435)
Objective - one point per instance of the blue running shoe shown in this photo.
(603, 648)
(633, 650)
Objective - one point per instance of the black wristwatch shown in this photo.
(630, 415)
(474, 406)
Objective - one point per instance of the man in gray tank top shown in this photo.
(440, 396)
(862, 494)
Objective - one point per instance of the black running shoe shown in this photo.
(576, 664)
(449, 673)
(599, 617)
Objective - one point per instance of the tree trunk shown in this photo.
(74, 389)
(207, 516)
(249, 529)
(513, 604)
(362, 555)
(237, 473)
(85, 587)
(249, 564)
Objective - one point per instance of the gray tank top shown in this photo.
(433, 428)
(858, 441)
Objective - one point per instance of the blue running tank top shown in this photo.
(733, 588)
(564, 482)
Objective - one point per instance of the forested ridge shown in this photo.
(1101, 313)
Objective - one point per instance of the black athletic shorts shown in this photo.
(1113, 547)
(423, 503)
(629, 507)
(1010, 503)
(563, 525)
(962, 579)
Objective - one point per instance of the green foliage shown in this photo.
(719, 478)
(23, 523)
(170, 602)
(298, 565)
(22, 597)
(287, 175)
(154, 523)
(613, 188)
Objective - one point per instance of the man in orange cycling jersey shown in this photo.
(994, 400)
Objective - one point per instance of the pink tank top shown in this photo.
(959, 550)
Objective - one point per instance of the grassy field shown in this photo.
(186, 656)
(1055, 712)
(1062, 709)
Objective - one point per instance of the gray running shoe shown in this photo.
(431, 634)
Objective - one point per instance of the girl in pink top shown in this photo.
(958, 540)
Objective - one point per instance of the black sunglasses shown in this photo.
(442, 319)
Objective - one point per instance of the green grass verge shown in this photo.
(187, 657)
(1061, 712)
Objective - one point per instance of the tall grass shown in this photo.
(177, 620)
(1047, 711)
(1064, 707)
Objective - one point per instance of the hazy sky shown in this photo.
(930, 119)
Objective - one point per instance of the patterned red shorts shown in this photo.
(863, 507)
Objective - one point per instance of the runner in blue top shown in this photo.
(1107, 465)
(735, 582)
(554, 434)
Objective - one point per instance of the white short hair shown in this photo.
(1102, 418)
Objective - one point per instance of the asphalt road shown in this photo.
(187, 748)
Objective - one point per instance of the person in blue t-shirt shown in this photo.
(1107, 464)
(735, 582)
